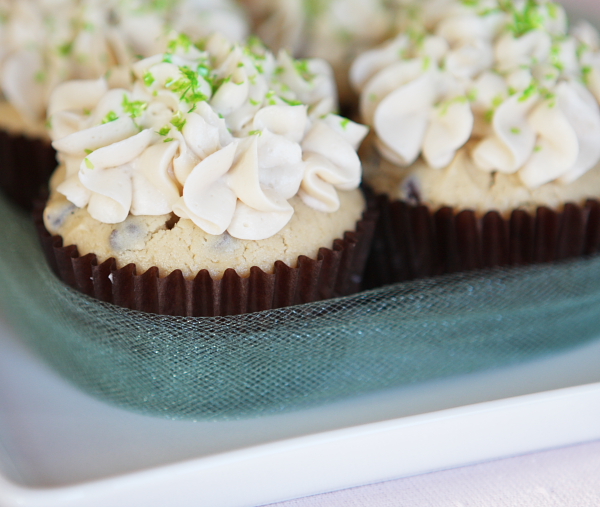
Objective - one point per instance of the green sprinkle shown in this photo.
(241, 64)
(178, 121)
(260, 68)
(372, 97)
(279, 70)
(291, 102)
(168, 58)
(182, 41)
(40, 77)
(497, 101)
(489, 115)
(445, 105)
(164, 131)
(148, 78)
(552, 10)
(344, 123)
(158, 5)
(253, 41)
(270, 94)
(168, 140)
(88, 163)
(48, 124)
(582, 48)
(89, 27)
(303, 70)
(65, 49)
(187, 86)
(314, 8)
(472, 95)
(204, 71)
(255, 133)
(525, 20)
(547, 94)
(585, 73)
(417, 36)
(87, 152)
(537, 149)
(491, 10)
(134, 108)
(254, 102)
(86, 111)
(426, 63)
(111, 116)
(554, 57)
(529, 92)
(515, 130)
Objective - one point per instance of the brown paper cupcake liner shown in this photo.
(412, 241)
(25, 167)
(336, 272)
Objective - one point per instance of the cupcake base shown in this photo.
(336, 272)
(25, 167)
(412, 241)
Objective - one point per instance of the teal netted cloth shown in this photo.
(248, 365)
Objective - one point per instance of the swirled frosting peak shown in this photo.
(45, 42)
(502, 77)
(224, 136)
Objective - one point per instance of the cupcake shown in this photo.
(219, 181)
(45, 42)
(485, 127)
(335, 30)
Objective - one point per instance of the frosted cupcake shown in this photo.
(222, 168)
(45, 42)
(490, 107)
(335, 30)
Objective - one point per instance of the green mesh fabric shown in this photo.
(215, 368)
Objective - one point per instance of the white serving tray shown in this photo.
(62, 448)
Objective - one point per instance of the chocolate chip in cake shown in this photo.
(128, 235)
(411, 192)
(56, 215)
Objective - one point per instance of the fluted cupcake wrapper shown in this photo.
(412, 241)
(25, 167)
(336, 272)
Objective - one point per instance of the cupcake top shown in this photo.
(502, 80)
(335, 30)
(45, 42)
(224, 136)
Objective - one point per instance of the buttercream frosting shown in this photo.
(45, 42)
(505, 76)
(335, 30)
(224, 136)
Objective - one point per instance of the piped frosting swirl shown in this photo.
(223, 136)
(504, 76)
(45, 42)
